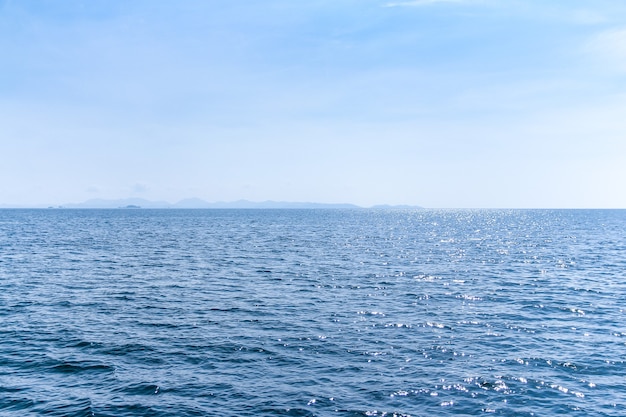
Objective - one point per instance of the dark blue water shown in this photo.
(312, 313)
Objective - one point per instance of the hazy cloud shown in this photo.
(413, 3)
(587, 17)
(610, 48)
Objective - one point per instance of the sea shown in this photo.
(139, 312)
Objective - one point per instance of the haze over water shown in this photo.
(312, 312)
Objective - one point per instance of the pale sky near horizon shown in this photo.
(438, 103)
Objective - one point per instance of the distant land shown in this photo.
(196, 203)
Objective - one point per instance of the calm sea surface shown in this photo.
(312, 313)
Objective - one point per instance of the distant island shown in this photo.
(196, 203)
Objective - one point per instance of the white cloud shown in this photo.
(587, 17)
(609, 47)
(413, 3)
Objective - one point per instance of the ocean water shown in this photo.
(312, 312)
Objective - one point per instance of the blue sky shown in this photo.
(439, 103)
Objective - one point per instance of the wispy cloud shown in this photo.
(587, 17)
(415, 3)
(610, 48)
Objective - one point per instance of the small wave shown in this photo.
(139, 389)
(71, 368)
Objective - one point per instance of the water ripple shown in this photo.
(312, 312)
